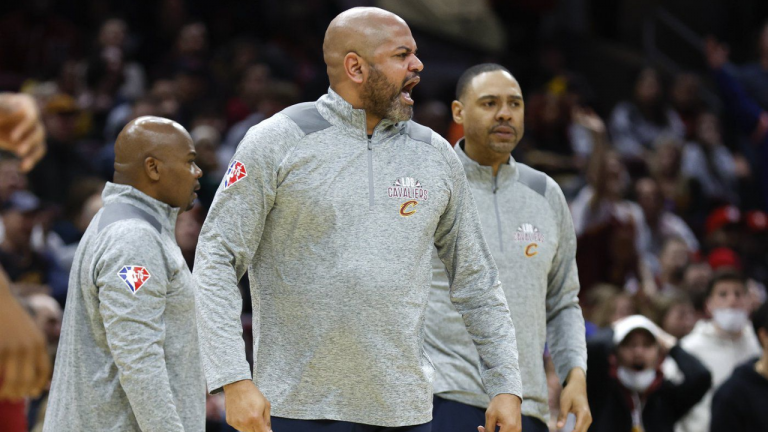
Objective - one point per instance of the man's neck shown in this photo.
(484, 156)
(371, 122)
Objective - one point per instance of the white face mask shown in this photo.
(638, 381)
(731, 320)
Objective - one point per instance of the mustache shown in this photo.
(411, 77)
(504, 124)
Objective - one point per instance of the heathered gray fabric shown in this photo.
(340, 286)
(128, 362)
(541, 289)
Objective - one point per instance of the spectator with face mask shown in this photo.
(722, 343)
(627, 390)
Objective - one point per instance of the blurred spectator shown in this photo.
(11, 177)
(47, 315)
(636, 124)
(278, 95)
(65, 162)
(754, 76)
(721, 343)
(666, 169)
(673, 260)
(606, 304)
(188, 227)
(724, 258)
(252, 86)
(207, 141)
(30, 271)
(723, 227)
(662, 223)
(83, 202)
(709, 162)
(435, 115)
(627, 390)
(739, 404)
(685, 99)
(752, 119)
(754, 247)
(612, 233)
(676, 314)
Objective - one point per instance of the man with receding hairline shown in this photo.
(128, 357)
(530, 234)
(334, 208)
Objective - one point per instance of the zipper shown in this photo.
(370, 174)
(498, 215)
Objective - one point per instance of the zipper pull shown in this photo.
(370, 145)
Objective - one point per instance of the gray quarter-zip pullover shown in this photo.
(336, 231)
(530, 233)
(128, 358)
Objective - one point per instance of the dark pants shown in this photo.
(291, 425)
(450, 416)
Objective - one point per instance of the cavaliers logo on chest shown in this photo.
(527, 233)
(410, 191)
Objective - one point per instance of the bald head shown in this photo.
(156, 156)
(144, 137)
(359, 30)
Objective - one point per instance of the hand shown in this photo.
(716, 53)
(21, 130)
(25, 367)
(587, 118)
(247, 409)
(573, 399)
(504, 412)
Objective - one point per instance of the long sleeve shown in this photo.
(565, 322)
(727, 414)
(696, 381)
(742, 107)
(228, 241)
(131, 277)
(475, 287)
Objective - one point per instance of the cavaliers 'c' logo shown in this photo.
(530, 250)
(407, 208)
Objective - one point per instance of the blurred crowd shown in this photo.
(668, 189)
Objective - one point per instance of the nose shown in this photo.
(416, 65)
(198, 172)
(504, 113)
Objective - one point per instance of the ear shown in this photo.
(152, 168)
(355, 67)
(457, 109)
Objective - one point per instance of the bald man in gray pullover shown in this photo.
(334, 208)
(530, 233)
(129, 359)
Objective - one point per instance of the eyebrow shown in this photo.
(490, 96)
(407, 50)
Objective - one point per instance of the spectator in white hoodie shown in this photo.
(721, 343)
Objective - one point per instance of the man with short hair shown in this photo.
(722, 342)
(128, 357)
(334, 208)
(529, 230)
(739, 404)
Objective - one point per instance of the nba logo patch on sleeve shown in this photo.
(235, 173)
(134, 277)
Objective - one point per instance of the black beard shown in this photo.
(382, 99)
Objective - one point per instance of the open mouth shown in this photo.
(407, 88)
